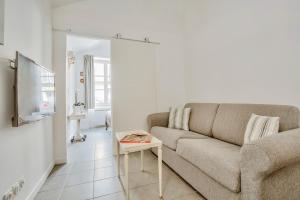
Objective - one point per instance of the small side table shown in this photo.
(78, 137)
(127, 148)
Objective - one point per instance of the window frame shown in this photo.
(106, 82)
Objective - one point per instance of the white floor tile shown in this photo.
(49, 195)
(107, 186)
(91, 174)
(115, 196)
(82, 166)
(53, 183)
(138, 179)
(105, 172)
(105, 162)
(78, 192)
(80, 177)
(61, 170)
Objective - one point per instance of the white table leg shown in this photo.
(78, 134)
(142, 160)
(160, 170)
(118, 159)
(78, 126)
(126, 176)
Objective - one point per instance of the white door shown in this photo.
(133, 84)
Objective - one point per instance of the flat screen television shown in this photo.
(34, 91)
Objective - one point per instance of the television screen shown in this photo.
(34, 91)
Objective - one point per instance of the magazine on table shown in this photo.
(137, 136)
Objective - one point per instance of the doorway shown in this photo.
(133, 88)
(88, 85)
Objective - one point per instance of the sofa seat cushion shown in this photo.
(169, 136)
(218, 159)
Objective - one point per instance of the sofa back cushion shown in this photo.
(231, 119)
(202, 117)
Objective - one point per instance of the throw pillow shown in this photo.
(178, 118)
(260, 126)
(172, 118)
(185, 119)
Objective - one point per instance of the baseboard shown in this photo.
(99, 126)
(40, 183)
(60, 161)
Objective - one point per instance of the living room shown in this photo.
(226, 70)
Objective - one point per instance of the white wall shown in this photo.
(160, 20)
(243, 51)
(78, 67)
(60, 119)
(25, 152)
(71, 88)
(224, 51)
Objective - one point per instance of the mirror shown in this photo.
(1, 22)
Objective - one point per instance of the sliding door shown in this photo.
(133, 84)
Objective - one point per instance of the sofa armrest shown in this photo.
(272, 153)
(158, 119)
(264, 161)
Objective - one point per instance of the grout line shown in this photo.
(83, 183)
(94, 172)
(109, 194)
(112, 177)
(129, 189)
(64, 184)
(138, 186)
(68, 186)
(93, 147)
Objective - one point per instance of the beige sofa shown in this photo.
(212, 158)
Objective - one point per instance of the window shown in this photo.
(102, 83)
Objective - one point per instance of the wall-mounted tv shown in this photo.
(34, 91)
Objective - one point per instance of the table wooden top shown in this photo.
(75, 116)
(133, 147)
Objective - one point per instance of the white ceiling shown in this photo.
(57, 3)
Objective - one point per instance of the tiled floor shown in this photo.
(91, 174)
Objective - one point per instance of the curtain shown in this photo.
(89, 82)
